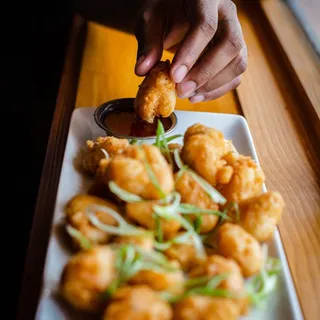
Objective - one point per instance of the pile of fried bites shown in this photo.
(170, 231)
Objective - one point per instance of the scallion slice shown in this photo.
(77, 235)
(124, 194)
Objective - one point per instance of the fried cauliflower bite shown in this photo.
(86, 276)
(161, 280)
(203, 150)
(260, 215)
(192, 193)
(142, 214)
(184, 253)
(234, 283)
(246, 180)
(236, 243)
(76, 216)
(137, 303)
(156, 95)
(143, 241)
(129, 172)
(206, 308)
(111, 145)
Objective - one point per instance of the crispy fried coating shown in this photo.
(185, 253)
(143, 241)
(86, 276)
(203, 150)
(234, 283)
(192, 193)
(129, 171)
(142, 214)
(260, 215)
(156, 95)
(111, 145)
(76, 216)
(246, 180)
(137, 303)
(236, 243)
(169, 281)
(206, 308)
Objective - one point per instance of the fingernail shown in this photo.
(197, 98)
(140, 60)
(187, 88)
(180, 73)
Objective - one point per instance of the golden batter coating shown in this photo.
(236, 243)
(129, 172)
(246, 180)
(192, 193)
(203, 150)
(137, 303)
(260, 215)
(156, 95)
(111, 145)
(77, 218)
(143, 241)
(206, 308)
(86, 276)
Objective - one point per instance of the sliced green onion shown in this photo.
(176, 136)
(123, 228)
(124, 194)
(197, 224)
(260, 287)
(197, 281)
(184, 238)
(106, 154)
(159, 135)
(77, 235)
(214, 194)
(172, 208)
(159, 232)
(151, 175)
(186, 208)
(133, 141)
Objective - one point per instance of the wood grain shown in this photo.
(108, 72)
(300, 57)
(41, 226)
(287, 153)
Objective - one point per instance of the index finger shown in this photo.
(195, 41)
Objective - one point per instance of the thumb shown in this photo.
(150, 36)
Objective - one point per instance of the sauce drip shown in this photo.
(129, 123)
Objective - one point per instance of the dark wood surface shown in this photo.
(36, 254)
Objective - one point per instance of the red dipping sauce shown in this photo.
(128, 123)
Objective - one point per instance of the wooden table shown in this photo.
(283, 128)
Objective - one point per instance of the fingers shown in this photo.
(149, 33)
(196, 40)
(217, 57)
(215, 94)
(234, 69)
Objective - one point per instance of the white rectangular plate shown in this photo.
(283, 304)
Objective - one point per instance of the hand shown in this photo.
(211, 54)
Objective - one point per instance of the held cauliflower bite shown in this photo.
(260, 215)
(161, 280)
(76, 217)
(142, 214)
(156, 95)
(111, 145)
(143, 241)
(184, 253)
(206, 308)
(234, 283)
(203, 150)
(192, 193)
(86, 276)
(237, 244)
(137, 303)
(246, 180)
(129, 172)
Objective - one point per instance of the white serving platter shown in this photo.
(283, 304)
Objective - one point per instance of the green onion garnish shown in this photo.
(123, 228)
(106, 154)
(262, 285)
(77, 235)
(124, 194)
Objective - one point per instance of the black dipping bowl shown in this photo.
(126, 105)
